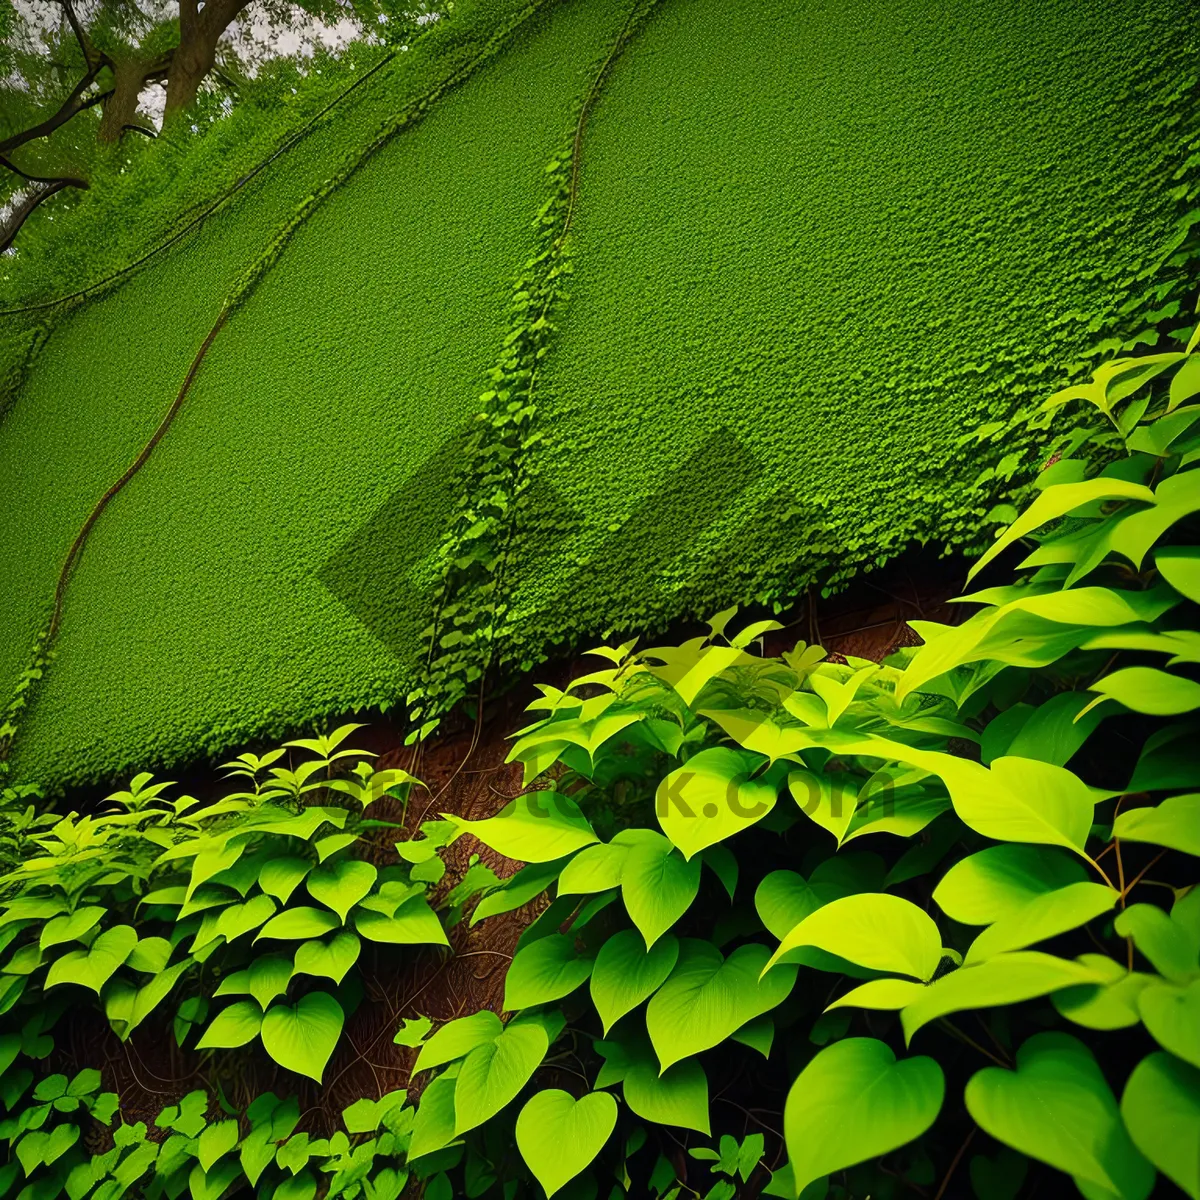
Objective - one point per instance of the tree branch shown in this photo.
(20, 214)
(65, 180)
(70, 106)
(85, 46)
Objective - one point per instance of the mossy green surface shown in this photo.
(197, 614)
(815, 245)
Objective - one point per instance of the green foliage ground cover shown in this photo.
(776, 271)
(792, 221)
(388, 305)
(816, 930)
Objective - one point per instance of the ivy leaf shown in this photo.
(456, 1039)
(264, 979)
(1172, 1017)
(238, 919)
(881, 994)
(1161, 1108)
(877, 931)
(493, 1073)
(558, 1136)
(679, 1096)
(1057, 501)
(301, 1038)
(341, 885)
(712, 797)
(126, 1006)
(1175, 823)
(413, 1032)
(1180, 566)
(854, 1102)
(626, 973)
(518, 889)
(1171, 947)
(1148, 690)
(1005, 979)
(414, 924)
(218, 1138)
(233, 1026)
(328, 960)
(538, 827)
(995, 883)
(92, 968)
(72, 927)
(293, 924)
(658, 884)
(708, 997)
(279, 877)
(547, 969)
(433, 1127)
(1023, 800)
(828, 801)
(1057, 1107)
(1112, 1004)
(1043, 917)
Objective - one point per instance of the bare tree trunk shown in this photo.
(121, 107)
(196, 54)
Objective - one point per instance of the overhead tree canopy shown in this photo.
(75, 72)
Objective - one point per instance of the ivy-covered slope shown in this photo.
(788, 224)
(792, 220)
(196, 609)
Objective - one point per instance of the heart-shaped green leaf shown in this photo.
(1174, 823)
(1005, 979)
(328, 960)
(626, 973)
(708, 997)
(301, 1038)
(264, 979)
(232, 1026)
(341, 885)
(93, 967)
(547, 969)
(877, 931)
(534, 828)
(825, 800)
(279, 877)
(493, 1073)
(1148, 690)
(414, 924)
(1161, 1108)
(1057, 1107)
(126, 1007)
(658, 884)
(853, 1102)
(70, 928)
(1043, 917)
(679, 1096)
(559, 1136)
(712, 797)
(1109, 1005)
(456, 1039)
(1172, 1017)
(987, 886)
(293, 924)
(433, 1127)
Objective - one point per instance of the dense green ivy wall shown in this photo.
(197, 608)
(788, 224)
(760, 379)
